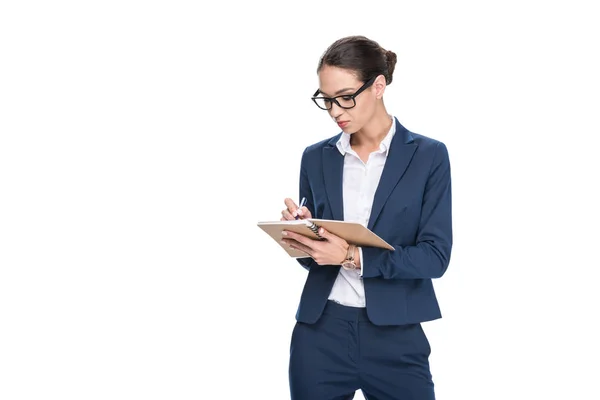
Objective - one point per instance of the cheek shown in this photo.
(362, 113)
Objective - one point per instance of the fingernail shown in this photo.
(321, 230)
(300, 211)
(294, 214)
(284, 233)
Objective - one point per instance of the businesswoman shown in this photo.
(360, 312)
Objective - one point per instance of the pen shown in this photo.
(302, 202)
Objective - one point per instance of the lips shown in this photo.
(342, 124)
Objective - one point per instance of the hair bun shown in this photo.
(391, 59)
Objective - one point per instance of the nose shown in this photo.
(335, 111)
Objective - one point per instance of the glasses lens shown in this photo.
(346, 101)
(325, 104)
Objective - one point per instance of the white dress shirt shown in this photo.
(360, 182)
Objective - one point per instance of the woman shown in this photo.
(360, 313)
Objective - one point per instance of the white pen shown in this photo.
(302, 202)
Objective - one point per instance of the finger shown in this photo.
(303, 212)
(308, 242)
(286, 215)
(291, 206)
(298, 246)
(326, 234)
(330, 237)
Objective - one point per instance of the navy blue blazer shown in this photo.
(411, 210)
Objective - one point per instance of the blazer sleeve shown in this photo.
(430, 256)
(305, 191)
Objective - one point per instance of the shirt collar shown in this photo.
(343, 143)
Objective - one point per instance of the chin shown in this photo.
(349, 130)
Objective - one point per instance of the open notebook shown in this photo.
(352, 232)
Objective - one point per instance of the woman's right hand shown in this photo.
(289, 214)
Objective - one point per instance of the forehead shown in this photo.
(334, 79)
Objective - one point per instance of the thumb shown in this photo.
(325, 234)
(304, 212)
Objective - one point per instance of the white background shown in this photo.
(142, 141)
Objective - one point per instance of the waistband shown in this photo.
(336, 310)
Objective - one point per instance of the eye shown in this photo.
(346, 98)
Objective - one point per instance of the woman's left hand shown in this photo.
(331, 251)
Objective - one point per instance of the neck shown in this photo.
(371, 135)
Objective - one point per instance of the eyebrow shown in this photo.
(336, 93)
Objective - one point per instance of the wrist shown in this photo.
(349, 262)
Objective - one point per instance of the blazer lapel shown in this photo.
(402, 148)
(333, 167)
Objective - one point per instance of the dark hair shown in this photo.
(363, 56)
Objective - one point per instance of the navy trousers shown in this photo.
(344, 352)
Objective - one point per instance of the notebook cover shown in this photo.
(352, 232)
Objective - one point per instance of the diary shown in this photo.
(353, 232)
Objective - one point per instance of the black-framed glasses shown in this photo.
(344, 101)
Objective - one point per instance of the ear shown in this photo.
(379, 86)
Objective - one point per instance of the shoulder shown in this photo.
(428, 145)
(316, 149)
(426, 142)
(431, 151)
